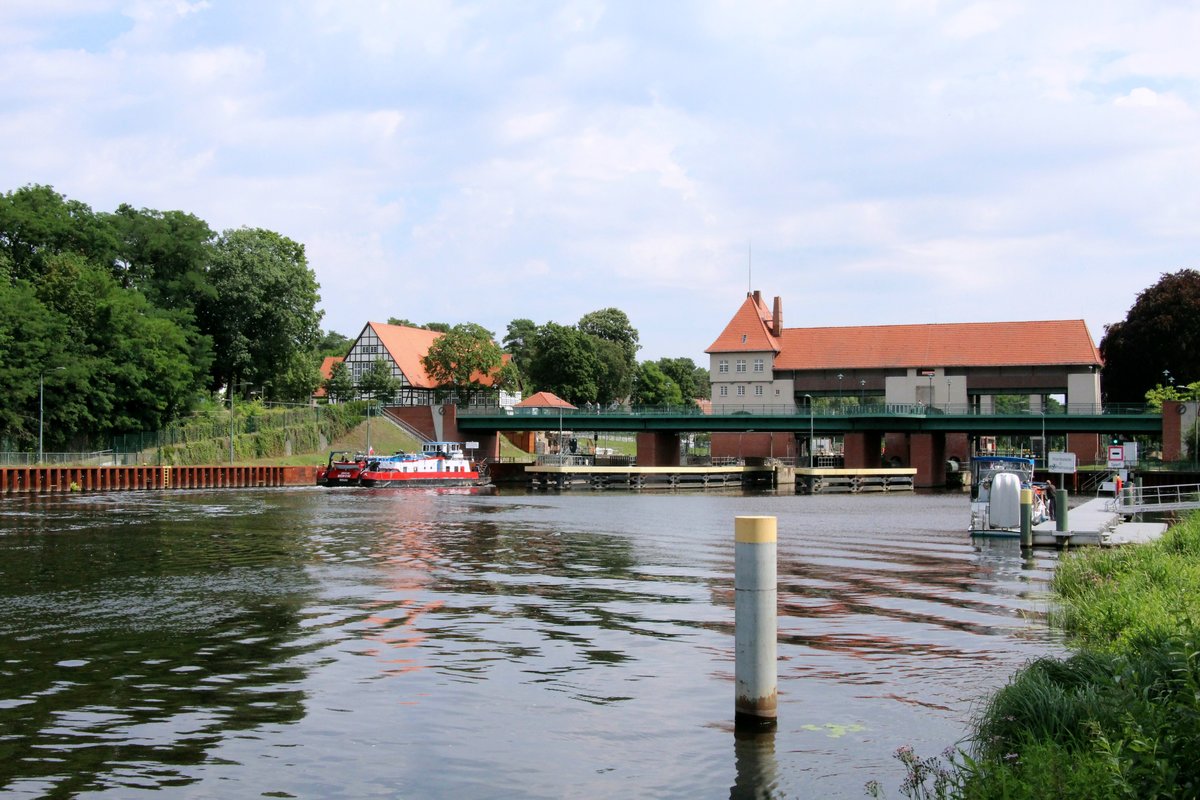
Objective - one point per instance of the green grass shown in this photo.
(1121, 717)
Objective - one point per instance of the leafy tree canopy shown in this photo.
(339, 386)
(463, 357)
(565, 362)
(264, 311)
(1160, 332)
(654, 388)
(613, 325)
(378, 382)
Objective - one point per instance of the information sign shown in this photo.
(1063, 463)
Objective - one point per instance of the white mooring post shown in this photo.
(755, 628)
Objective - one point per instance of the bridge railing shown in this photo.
(788, 409)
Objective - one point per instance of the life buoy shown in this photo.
(441, 409)
(1181, 409)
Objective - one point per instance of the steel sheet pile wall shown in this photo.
(108, 479)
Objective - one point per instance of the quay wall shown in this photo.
(14, 480)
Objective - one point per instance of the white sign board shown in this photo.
(1061, 462)
(472, 445)
(1116, 455)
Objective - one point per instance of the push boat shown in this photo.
(996, 486)
(438, 464)
(342, 469)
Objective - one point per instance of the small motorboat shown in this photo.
(996, 485)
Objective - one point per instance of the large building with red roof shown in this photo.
(402, 348)
(758, 362)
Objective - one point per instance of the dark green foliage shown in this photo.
(519, 341)
(463, 358)
(339, 386)
(653, 387)
(263, 312)
(377, 381)
(566, 362)
(1160, 332)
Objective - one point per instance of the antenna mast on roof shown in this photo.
(749, 266)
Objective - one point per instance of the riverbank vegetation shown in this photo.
(1118, 719)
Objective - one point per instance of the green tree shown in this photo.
(565, 362)
(1160, 332)
(36, 222)
(613, 324)
(378, 382)
(519, 341)
(463, 358)
(1159, 394)
(33, 341)
(332, 343)
(691, 380)
(164, 255)
(614, 378)
(654, 388)
(264, 311)
(339, 386)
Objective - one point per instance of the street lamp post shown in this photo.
(42, 406)
(840, 376)
(810, 430)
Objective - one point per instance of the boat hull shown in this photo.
(391, 481)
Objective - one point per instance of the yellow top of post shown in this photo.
(754, 530)
(1026, 497)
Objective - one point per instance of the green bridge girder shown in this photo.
(1112, 420)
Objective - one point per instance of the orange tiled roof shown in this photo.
(543, 400)
(977, 344)
(748, 331)
(326, 373)
(407, 346)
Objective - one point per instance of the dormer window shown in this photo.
(743, 338)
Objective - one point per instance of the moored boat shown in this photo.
(342, 469)
(996, 486)
(438, 464)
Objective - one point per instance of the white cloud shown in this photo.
(890, 162)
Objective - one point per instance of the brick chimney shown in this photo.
(777, 318)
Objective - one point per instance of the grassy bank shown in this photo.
(1121, 717)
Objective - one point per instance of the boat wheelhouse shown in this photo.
(438, 464)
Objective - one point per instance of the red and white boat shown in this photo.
(342, 469)
(438, 464)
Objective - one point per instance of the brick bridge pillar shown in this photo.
(1172, 430)
(657, 449)
(862, 450)
(928, 453)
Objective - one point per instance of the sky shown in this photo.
(870, 163)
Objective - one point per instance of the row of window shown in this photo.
(739, 365)
(741, 391)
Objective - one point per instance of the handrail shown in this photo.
(788, 409)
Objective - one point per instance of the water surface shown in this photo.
(354, 643)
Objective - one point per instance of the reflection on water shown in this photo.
(355, 643)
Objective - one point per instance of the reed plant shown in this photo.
(1118, 719)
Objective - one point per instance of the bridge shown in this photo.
(1125, 420)
(917, 435)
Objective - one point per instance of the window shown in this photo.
(724, 391)
(741, 391)
(740, 365)
(758, 390)
(723, 366)
(758, 365)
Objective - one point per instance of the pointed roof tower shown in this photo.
(754, 328)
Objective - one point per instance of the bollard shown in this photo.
(755, 628)
(1060, 511)
(1026, 518)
